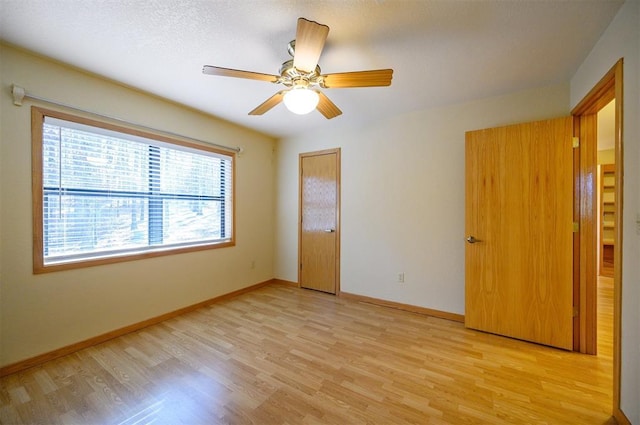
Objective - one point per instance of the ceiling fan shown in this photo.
(302, 77)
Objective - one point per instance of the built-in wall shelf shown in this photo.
(607, 217)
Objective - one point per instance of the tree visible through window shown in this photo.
(108, 193)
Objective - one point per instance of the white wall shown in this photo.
(39, 313)
(403, 196)
(622, 40)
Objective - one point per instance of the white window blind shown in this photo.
(107, 193)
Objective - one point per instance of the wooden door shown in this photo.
(519, 216)
(319, 221)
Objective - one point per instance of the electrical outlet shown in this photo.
(401, 277)
(253, 264)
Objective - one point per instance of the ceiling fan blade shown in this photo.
(373, 78)
(326, 107)
(227, 72)
(268, 104)
(310, 38)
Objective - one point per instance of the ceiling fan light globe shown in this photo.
(301, 101)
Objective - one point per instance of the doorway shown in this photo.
(319, 221)
(606, 212)
(585, 114)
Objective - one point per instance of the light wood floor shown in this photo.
(283, 355)
(605, 316)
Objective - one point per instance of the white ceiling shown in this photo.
(442, 52)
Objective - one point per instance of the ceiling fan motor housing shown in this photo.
(290, 75)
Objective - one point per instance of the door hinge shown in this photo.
(575, 142)
(300, 266)
(576, 227)
(575, 311)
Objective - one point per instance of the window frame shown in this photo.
(38, 116)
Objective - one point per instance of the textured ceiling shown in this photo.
(442, 52)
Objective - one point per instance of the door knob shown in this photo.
(329, 230)
(471, 239)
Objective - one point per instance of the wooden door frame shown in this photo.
(301, 156)
(585, 283)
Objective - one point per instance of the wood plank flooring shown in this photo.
(605, 317)
(283, 355)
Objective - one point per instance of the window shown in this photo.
(104, 193)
